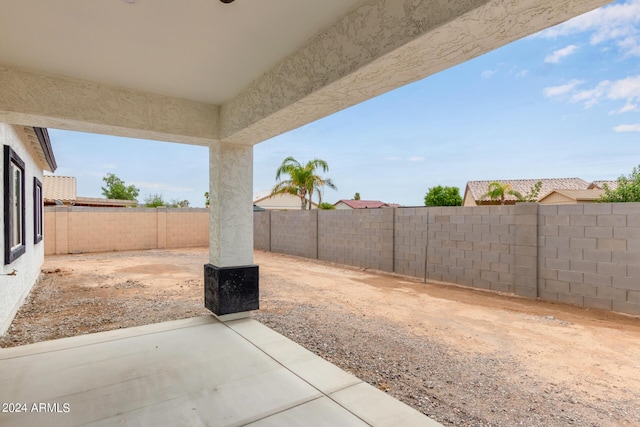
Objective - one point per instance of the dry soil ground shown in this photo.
(463, 357)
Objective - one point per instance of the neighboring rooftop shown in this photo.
(475, 191)
(64, 189)
(364, 204)
(61, 188)
(600, 184)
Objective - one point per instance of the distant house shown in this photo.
(264, 200)
(27, 152)
(475, 191)
(61, 190)
(363, 204)
(565, 197)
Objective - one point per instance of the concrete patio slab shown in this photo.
(188, 372)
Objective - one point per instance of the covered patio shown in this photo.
(226, 76)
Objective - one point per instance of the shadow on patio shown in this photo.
(190, 372)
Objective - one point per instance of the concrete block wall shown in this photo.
(262, 230)
(105, 229)
(294, 232)
(84, 230)
(410, 241)
(589, 255)
(473, 246)
(186, 227)
(586, 255)
(361, 237)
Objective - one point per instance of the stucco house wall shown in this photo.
(15, 288)
(278, 202)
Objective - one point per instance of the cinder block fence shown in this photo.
(585, 254)
(71, 230)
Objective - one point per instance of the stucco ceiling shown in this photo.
(201, 50)
(197, 71)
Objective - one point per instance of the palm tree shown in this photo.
(302, 181)
(498, 191)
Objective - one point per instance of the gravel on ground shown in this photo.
(463, 357)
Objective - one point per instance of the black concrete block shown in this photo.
(230, 290)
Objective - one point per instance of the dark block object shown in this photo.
(230, 290)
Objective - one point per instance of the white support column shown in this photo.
(230, 278)
(231, 196)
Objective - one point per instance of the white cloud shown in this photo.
(627, 128)
(522, 73)
(627, 108)
(627, 90)
(416, 159)
(488, 73)
(564, 89)
(590, 97)
(618, 23)
(559, 54)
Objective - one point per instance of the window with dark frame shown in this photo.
(14, 209)
(37, 210)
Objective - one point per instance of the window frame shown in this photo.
(38, 223)
(11, 159)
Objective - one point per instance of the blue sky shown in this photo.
(561, 103)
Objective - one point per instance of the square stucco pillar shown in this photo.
(231, 278)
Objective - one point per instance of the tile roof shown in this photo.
(600, 184)
(366, 204)
(523, 186)
(59, 188)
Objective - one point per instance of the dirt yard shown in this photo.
(463, 357)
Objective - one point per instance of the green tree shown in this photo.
(154, 201)
(531, 196)
(116, 189)
(326, 206)
(497, 191)
(207, 201)
(628, 189)
(303, 180)
(356, 196)
(443, 196)
(175, 203)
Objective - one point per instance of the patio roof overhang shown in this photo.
(243, 72)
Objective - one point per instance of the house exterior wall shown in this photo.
(14, 289)
(468, 199)
(85, 230)
(342, 206)
(582, 254)
(557, 199)
(282, 202)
